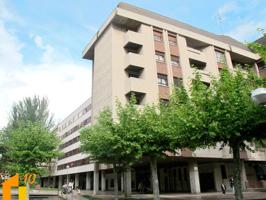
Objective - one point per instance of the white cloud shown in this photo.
(247, 31)
(4, 12)
(48, 54)
(66, 84)
(227, 8)
(10, 47)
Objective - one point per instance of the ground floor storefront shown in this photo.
(175, 176)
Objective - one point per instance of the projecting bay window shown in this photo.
(162, 80)
(159, 56)
(175, 61)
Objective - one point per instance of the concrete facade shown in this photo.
(141, 52)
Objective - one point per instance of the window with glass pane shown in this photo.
(158, 36)
(162, 79)
(220, 57)
(178, 82)
(175, 60)
(172, 40)
(159, 56)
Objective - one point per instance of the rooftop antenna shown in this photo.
(220, 21)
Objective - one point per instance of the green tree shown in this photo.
(33, 109)
(259, 48)
(106, 142)
(155, 139)
(222, 113)
(30, 147)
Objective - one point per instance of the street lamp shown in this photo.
(259, 96)
(67, 167)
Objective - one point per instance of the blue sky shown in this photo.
(41, 42)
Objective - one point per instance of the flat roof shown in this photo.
(128, 7)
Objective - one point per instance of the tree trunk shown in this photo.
(237, 174)
(127, 182)
(155, 182)
(115, 183)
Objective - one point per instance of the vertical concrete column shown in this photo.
(194, 177)
(228, 60)
(212, 66)
(96, 179)
(128, 181)
(76, 180)
(256, 69)
(168, 59)
(60, 182)
(122, 182)
(243, 176)
(88, 181)
(217, 177)
(54, 181)
(103, 185)
(184, 61)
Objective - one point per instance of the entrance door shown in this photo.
(207, 182)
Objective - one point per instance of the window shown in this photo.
(220, 57)
(175, 60)
(158, 36)
(172, 40)
(178, 82)
(162, 79)
(159, 56)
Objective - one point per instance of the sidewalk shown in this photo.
(203, 196)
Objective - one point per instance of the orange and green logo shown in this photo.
(14, 182)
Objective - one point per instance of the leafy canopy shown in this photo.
(107, 142)
(33, 109)
(30, 147)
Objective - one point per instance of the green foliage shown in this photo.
(108, 142)
(234, 112)
(190, 117)
(223, 112)
(30, 147)
(154, 136)
(259, 48)
(33, 109)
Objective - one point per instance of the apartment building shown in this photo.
(141, 52)
(72, 164)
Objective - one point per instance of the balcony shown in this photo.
(133, 59)
(133, 40)
(136, 85)
(196, 54)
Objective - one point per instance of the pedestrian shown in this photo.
(141, 187)
(223, 187)
(231, 181)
